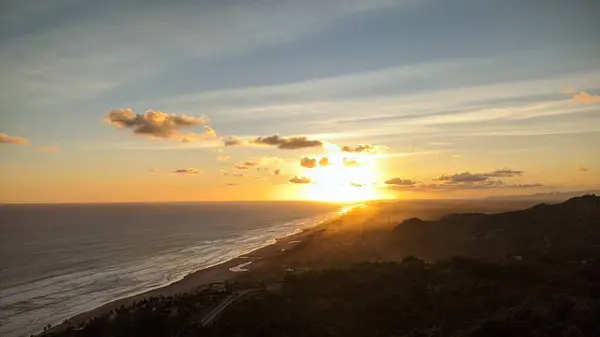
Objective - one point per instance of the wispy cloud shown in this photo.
(245, 165)
(223, 158)
(580, 169)
(188, 171)
(12, 140)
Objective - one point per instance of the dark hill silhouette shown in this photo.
(571, 225)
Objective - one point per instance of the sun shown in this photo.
(343, 179)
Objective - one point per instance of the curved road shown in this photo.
(211, 316)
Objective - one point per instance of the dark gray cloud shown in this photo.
(324, 161)
(12, 140)
(188, 171)
(300, 180)
(308, 162)
(287, 143)
(158, 124)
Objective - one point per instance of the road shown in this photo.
(211, 316)
(214, 314)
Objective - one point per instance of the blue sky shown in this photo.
(447, 86)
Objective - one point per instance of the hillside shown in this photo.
(571, 225)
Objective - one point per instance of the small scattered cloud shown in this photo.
(233, 141)
(287, 143)
(356, 185)
(363, 148)
(188, 171)
(160, 125)
(351, 162)
(232, 184)
(224, 172)
(277, 172)
(584, 97)
(300, 180)
(223, 158)
(580, 169)
(324, 161)
(400, 182)
(456, 155)
(245, 165)
(308, 162)
(48, 149)
(12, 140)
(154, 171)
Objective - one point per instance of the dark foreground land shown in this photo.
(534, 272)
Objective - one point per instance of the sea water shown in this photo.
(60, 260)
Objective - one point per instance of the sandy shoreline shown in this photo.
(200, 278)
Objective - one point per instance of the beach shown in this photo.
(263, 263)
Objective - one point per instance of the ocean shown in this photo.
(60, 260)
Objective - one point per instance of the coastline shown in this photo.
(199, 279)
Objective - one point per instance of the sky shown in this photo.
(339, 100)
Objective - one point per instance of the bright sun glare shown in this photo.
(344, 179)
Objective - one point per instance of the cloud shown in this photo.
(223, 158)
(48, 149)
(356, 185)
(400, 182)
(154, 170)
(468, 177)
(351, 162)
(366, 148)
(503, 173)
(462, 181)
(308, 162)
(188, 171)
(324, 161)
(224, 172)
(160, 125)
(277, 172)
(289, 143)
(580, 169)
(584, 97)
(13, 140)
(300, 180)
(233, 141)
(245, 165)
(208, 134)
